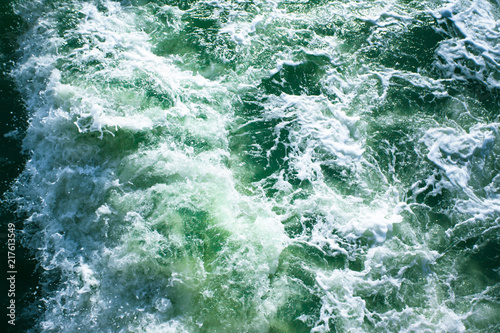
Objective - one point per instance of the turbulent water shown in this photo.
(261, 166)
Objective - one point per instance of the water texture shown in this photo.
(261, 166)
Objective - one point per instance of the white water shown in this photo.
(159, 200)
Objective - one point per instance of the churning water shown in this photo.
(262, 166)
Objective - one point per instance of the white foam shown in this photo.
(452, 149)
(476, 22)
(241, 32)
(121, 228)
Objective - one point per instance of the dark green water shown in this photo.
(255, 166)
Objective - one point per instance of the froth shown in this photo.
(248, 198)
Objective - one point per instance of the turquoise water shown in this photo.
(261, 166)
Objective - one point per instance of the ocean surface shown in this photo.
(253, 166)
